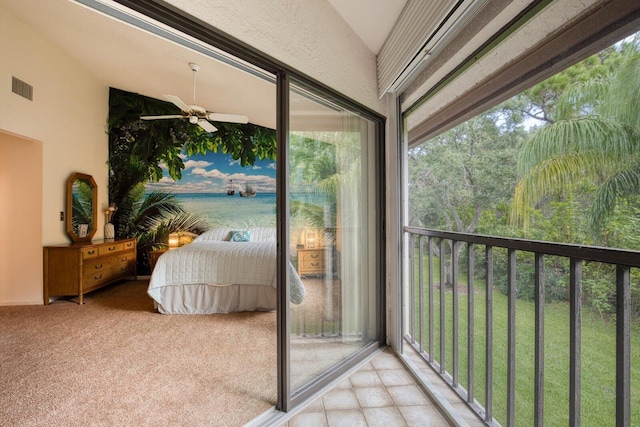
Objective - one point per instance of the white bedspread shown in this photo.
(218, 262)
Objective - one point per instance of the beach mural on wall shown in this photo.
(208, 178)
(171, 176)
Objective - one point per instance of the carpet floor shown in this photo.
(115, 361)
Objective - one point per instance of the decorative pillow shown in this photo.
(239, 236)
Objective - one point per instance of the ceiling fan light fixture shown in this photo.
(198, 115)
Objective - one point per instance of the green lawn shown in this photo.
(598, 358)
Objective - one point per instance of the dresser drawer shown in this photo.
(122, 269)
(318, 263)
(311, 261)
(109, 249)
(315, 256)
(90, 252)
(129, 245)
(96, 266)
(94, 279)
(124, 258)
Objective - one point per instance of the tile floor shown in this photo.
(380, 393)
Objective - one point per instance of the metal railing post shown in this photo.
(623, 346)
(538, 416)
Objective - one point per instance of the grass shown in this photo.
(598, 358)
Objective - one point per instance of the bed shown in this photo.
(222, 271)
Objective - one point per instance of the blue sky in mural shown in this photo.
(211, 173)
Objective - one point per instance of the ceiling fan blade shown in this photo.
(207, 126)
(232, 118)
(170, 116)
(178, 103)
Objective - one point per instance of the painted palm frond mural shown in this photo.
(81, 204)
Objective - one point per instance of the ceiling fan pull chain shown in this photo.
(194, 67)
(194, 87)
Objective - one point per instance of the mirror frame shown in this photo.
(69, 214)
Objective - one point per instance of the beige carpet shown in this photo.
(114, 361)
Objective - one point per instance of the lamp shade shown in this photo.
(311, 237)
(174, 240)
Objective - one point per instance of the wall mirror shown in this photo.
(82, 207)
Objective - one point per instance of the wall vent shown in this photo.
(21, 88)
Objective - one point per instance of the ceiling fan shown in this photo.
(196, 114)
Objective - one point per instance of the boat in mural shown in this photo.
(231, 189)
(248, 191)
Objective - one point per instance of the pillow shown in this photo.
(221, 233)
(262, 234)
(239, 236)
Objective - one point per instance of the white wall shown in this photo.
(68, 116)
(308, 35)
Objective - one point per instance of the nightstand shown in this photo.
(153, 258)
(311, 261)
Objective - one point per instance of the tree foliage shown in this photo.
(137, 147)
(540, 102)
(572, 145)
(595, 139)
(463, 172)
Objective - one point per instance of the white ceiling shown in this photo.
(127, 58)
(372, 20)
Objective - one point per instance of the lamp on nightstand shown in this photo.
(174, 240)
(310, 239)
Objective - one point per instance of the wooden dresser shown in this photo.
(311, 261)
(80, 268)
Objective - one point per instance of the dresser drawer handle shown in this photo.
(123, 259)
(91, 252)
(97, 277)
(97, 267)
(315, 264)
(129, 245)
(112, 248)
(314, 255)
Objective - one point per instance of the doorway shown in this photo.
(21, 204)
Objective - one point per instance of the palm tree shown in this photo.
(325, 162)
(151, 218)
(595, 139)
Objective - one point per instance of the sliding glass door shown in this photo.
(329, 202)
(333, 238)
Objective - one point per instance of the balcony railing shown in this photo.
(435, 317)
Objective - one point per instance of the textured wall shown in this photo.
(67, 115)
(308, 35)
